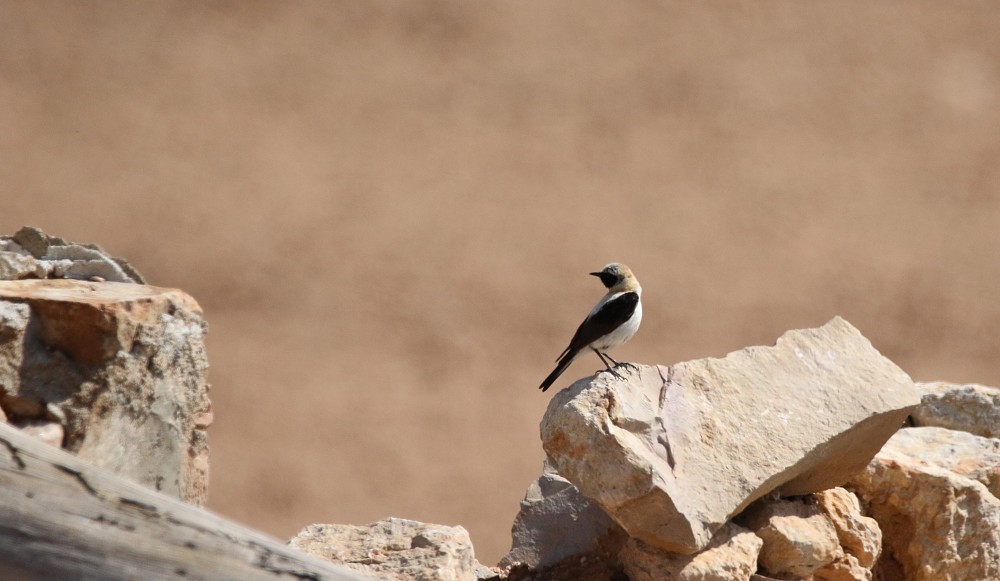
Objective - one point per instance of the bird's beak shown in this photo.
(596, 273)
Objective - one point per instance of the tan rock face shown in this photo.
(731, 556)
(846, 568)
(963, 453)
(937, 524)
(394, 548)
(121, 366)
(859, 535)
(971, 408)
(673, 453)
(798, 537)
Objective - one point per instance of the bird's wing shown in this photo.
(604, 320)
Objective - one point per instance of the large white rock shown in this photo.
(937, 524)
(971, 408)
(671, 453)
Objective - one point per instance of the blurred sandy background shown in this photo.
(388, 210)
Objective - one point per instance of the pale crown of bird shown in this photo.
(618, 278)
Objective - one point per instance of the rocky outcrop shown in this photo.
(394, 549)
(823, 536)
(31, 253)
(120, 368)
(940, 521)
(971, 408)
(672, 453)
(698, 471)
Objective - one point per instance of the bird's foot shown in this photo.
(615, 373)
(627, 364)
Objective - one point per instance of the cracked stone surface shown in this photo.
(394, 549)
(970, 408)
(121, 367)
(672, 453)
(930, 491)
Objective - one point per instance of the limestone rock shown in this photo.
(846, 568)
(394, 548)
(52, 433)
(936, 524)
(963, 453)
(859, 535)
(731, 556)
(121, 366)
(556, 522)
(31, 253)
(971, 408)
(798, 537)
(673, 453)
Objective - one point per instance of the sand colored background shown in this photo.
(388, 210)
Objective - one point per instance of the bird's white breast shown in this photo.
(622, 334)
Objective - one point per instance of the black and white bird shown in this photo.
(612, 322)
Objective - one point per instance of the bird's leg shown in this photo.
(606, 364)
(625, 363)
(601, 357)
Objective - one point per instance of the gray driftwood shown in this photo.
(63, 518)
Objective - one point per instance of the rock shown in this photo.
(859, 535)
(936, 524)
(971, 408)
(963, 453)
(31, 253)
(673, 453)
(121, 366)
(846, 568)
(51, 433)
(730, 556)
(557, 522)
(798, 537)
(484, 573)
(394, 548)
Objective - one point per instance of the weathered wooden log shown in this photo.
(63, 518)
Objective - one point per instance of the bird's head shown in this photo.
(617, 277)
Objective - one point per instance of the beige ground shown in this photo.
(388, 210)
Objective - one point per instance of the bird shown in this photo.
(613, 321)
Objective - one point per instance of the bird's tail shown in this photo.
(564, 362)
